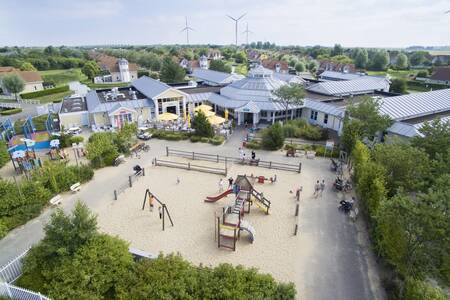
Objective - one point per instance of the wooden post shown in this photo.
(296, 229)
(270, 164)
(299, 167)
(115, 195)
(130, 181)
(167, 150)
(217, 157)
(296, 209)
(193, 155)
(218, 232)
(163, 214)
(189, 166)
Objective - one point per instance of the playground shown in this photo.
(266, 240)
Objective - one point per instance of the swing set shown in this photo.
(162, 209)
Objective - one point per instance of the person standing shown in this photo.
(253, 154)
(230, 182)
(241, 153)
(316, 189)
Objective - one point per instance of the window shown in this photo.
(325, 119)
(313, 115)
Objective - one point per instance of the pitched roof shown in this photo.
(27, 76)
(272, 64)
(339, 75)
(324, 107)
(416, 105)
(150, 87)
(336, 66)
(110, 63)
(215, 76)
(411, 130)
(442, 74)
(364, 85)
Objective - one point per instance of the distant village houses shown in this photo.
(32, 79)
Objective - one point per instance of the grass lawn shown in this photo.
(62, 77)
(53, 97)
(396, 73)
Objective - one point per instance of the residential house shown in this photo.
(440, 75)
(440, 57)
(328, 65)
(32, 79)
(115, 69)
(278, 66)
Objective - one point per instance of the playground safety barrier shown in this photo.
(189, 166)
(220, 158)
(131, 179)
(8, 274)
(10, 105)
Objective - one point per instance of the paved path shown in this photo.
(340, 267)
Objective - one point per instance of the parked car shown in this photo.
(145, 136)
(73, 130)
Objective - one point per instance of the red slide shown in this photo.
(218, 197)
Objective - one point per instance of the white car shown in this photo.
(73, 130)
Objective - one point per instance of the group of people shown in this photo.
(222, 184)
(242, 155)
(319, 187)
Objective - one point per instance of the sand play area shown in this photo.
(275, 249)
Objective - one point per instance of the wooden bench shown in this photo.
(75, 187)
(310, 154)
(56, 200)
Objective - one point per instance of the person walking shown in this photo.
(178, 180)
(322, 187)
(316, 189)
(253, 154)
(241, 153)
(220, 185)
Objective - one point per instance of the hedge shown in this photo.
(422, 86)
(10, 111)
(32, 95)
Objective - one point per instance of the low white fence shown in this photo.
(10, 105)
(29, 101)
(8, 274)
(14, 292)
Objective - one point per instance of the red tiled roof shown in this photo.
(27, 76)
(328, 65)
(271, 64)
(109, 63)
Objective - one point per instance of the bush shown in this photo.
(273, 137)
(76, 139)
(9, 112)
(32, 95)
(217, 140)
(202, 126)
(255, 145)
(311, 133)
(289, 130)
(101, 149)
(4, 156)
(418, 290)
(195, 138)
(204, 139)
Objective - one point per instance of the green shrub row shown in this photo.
(301, 129)
(254, 145)
(56, 90)
(25, 200)
(319, 149)
(9, 112)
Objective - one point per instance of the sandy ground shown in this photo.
(275, 250)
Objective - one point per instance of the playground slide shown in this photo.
(218, 197)
(249, 228)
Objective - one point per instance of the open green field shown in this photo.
(62, 77)
(53, 97)
(406, 74)
(106, 85)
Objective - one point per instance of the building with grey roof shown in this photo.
(364, 85)
(144, 100)
(338, 76)
(215, 78)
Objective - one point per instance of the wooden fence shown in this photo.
(131, 179)
(228, 159)
(190, 167)
(10, 105)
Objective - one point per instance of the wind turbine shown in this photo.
(247, 32)
(187, 28)
(236, 20)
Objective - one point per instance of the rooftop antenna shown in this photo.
(247, 32)
(236, 20)
(187, 28)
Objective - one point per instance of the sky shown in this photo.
(351, 23)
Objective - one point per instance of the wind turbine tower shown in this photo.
(187, 28)
(236, 21)
(246, 32)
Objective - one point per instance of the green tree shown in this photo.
(90, 69)
(240, 57)
(421, 290)
(300, 67)
(402, 62)
(4, 156)
(313, 66)
(367, 112)
(219, 65)
(26, 66)
(273, 137)
(201, 125)
(352, 131)
(13, 83)
(418, 58)
(398, 85)
(337, 50)
(407, 167)
(361, 58)
(101, 149)
(435, 139)
(289, 95)
(171, 72)
(380, 60)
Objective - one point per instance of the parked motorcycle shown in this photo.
(345, 206)
(341, 185)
